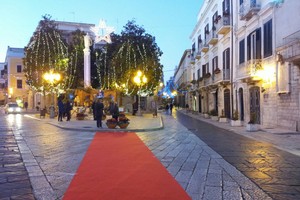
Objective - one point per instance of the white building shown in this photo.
(182, 79)
(267, 62)
(246, 59)
(211, 50)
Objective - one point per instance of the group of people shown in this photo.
(99, 109)
(169, 108)
(64, 109)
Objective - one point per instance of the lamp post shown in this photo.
(52, 78)
(140, 79)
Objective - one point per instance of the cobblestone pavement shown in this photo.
(202, 172)
(14, 179)
(276, 171)
(52, 155)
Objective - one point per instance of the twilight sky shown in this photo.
(170, 21)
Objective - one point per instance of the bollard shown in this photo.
(52, 111)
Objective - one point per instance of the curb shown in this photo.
(161, 126)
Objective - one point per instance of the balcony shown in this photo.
(200, 82)
(248, 70)
(289, 51)
(248, 9)
(223, 25)
(198, 55)
(204, 47)
(212, 37)
(192, 60)
(222, 76)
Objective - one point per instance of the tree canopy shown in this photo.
(130, 51)
(113, 65)
(45, 52)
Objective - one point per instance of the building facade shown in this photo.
(182, 79)
(15, 87)
(245, 61)
(266, 63)
(211, 60)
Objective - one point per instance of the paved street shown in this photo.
(14, 179)
(52, 155)
(275, 171)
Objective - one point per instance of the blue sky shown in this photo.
(170, 21)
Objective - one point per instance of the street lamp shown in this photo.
(140, 79)
(52, 77)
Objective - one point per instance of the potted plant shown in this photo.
(193, 82)
(222, 118)
(251, 126)
(207, 75)
(235, 119)
(200, 79)
(214, 115)
(123, 122)
(80, 116)
(111, 123)
(217, 70)
(206, 115)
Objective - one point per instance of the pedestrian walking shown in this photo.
(26, 105)
(61, 109)
(167, 109)
(99, 106)
(171, 107)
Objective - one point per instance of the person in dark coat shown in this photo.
(99, 112)
(171, 108)
(93, 108)
(26, 105)
(61, 110)
(68, 108)
(134, 108)
(114, 110)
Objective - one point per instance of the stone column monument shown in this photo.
(87, 60)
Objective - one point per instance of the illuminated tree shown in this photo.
(133, 50)
(46, 51)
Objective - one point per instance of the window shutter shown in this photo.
(224, 66)
(228, 58)
(249, 47)
(258, 43)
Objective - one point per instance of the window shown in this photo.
(268, 48)
(254, 45)
(19, 68)
(206, 31)
(193, 76)
(198, 74)
(226, 5)
(19, 84)
(241, 2)
(215, 18)
(193, 50)
(203, 70)
(199, 42)
(215, 63)
(242, 51)
(226, 59)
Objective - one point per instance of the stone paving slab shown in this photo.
(283, 139)
(145, 122)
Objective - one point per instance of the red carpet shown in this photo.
(120, 166)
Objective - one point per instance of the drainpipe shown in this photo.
(231, 60)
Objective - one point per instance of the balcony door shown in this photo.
(255, 103)
(227, 103)
(254, 45)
